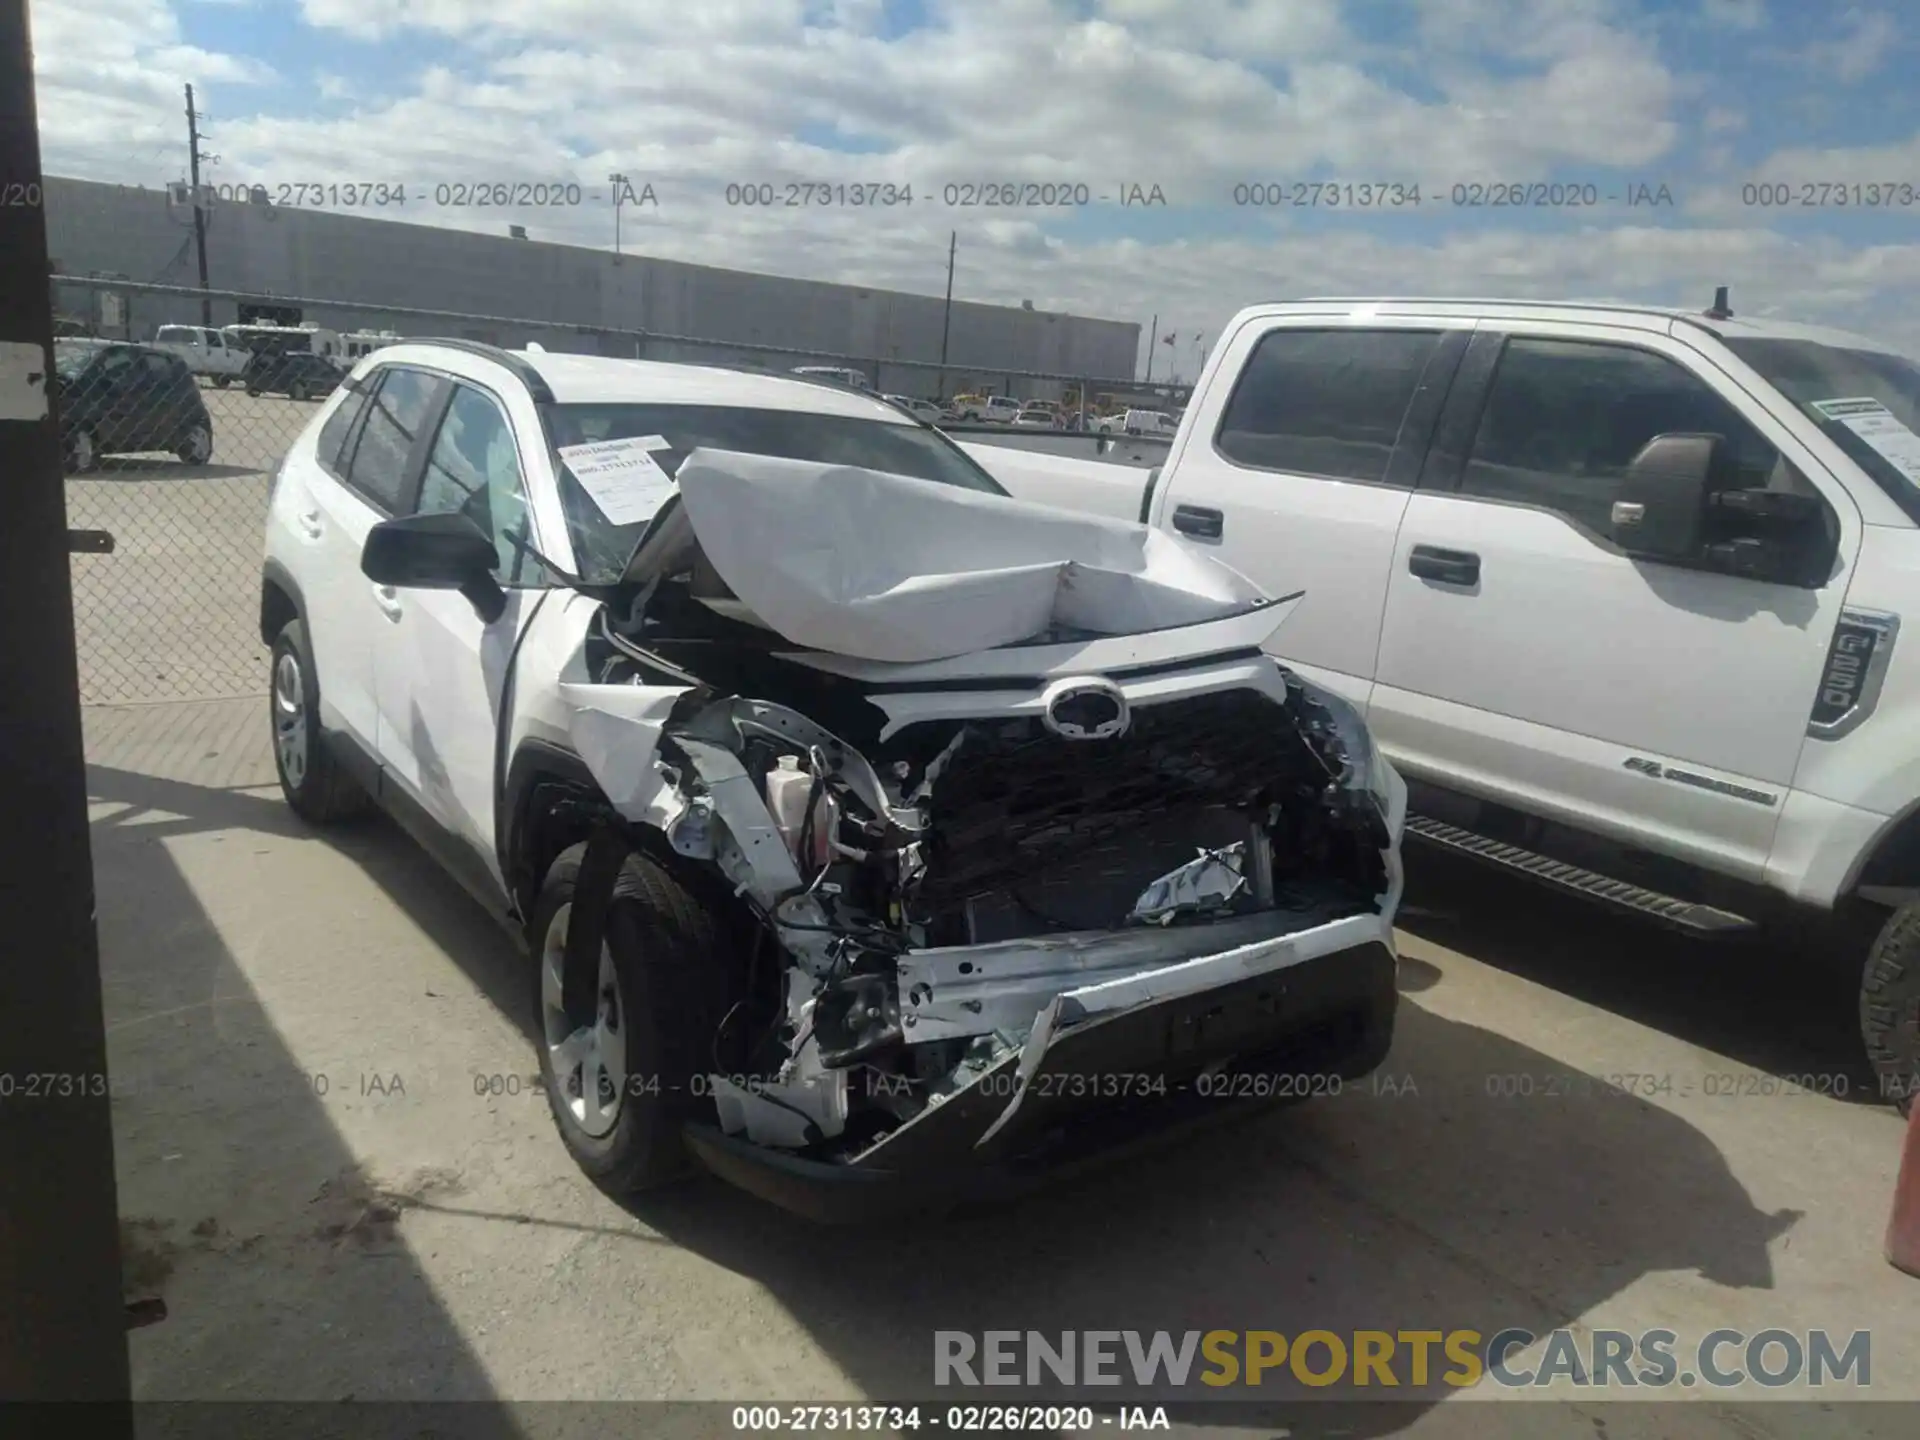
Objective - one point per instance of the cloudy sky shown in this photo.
(1767, 145)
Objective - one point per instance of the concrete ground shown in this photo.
(334, 1170)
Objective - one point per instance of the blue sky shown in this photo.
(1706, 98)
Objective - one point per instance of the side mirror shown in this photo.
(1674, 506)
(1661, 511)
(436, 552)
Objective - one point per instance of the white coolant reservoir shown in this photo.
(788, 786)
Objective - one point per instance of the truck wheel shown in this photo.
(621, 1089)
(1890, 1006)
(220, 382)
(317, 789)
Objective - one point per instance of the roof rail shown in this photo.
(521, 367)
(1615, 306)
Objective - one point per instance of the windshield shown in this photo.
(1881, 434)
(601, 548)
(175, 334)
(70, 357)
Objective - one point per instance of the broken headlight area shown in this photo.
(937, 909)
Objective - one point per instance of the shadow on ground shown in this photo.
(1420, 1205)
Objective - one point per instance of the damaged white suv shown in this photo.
(877, 837)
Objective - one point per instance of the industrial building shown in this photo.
(584, 299)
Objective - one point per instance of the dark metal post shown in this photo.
(946, 318)
(1153, 339)
(62, 1322)
(199, 215)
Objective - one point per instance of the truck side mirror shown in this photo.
(1661, 511)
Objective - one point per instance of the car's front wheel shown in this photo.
(1890, 1006)
(196, 446)
(220, 382)
(623, 1081)
(316, 787)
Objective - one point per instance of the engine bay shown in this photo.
(922, 892)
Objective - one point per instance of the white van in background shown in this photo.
(206, 351)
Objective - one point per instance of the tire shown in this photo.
(1890, 1006)
(196, 446)
(81, 456)
(220, 382)
(316, 787)
(254, 391)
(667, 960)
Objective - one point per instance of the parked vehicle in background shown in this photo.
(1041, 414)
(839, 374)
(115, 398)
(284, 339)
(566, 617)
(355, 345)
(1141, 422)
(920, 409)
(299, 375)
(206, 351)
(967, 407)
(999, 409)
(1619, 589)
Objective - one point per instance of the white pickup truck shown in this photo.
(206, 350)
(1619, 590)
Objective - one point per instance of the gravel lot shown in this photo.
(302, 1028)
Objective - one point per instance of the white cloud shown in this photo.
(1194, 96)
(1871, 34)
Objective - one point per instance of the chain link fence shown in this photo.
(172, 424)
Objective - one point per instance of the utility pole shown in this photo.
(946, 318)
(199, 213)
(619, 183)
(63, 1333)
(1152, 340)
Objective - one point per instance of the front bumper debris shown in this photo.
(1157, 1054)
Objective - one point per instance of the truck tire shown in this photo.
(663, 988)
(220, 382)
(316, 788)
(1890, 1006)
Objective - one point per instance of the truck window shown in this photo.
(1564, 418)
(1324, 402)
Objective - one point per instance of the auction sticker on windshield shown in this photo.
(622, 476)
(1880, 428)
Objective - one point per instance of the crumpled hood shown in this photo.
(882, 567)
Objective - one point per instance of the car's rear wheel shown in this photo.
(81, 455)
(254, 390)
(1890, 1006)
(622, 1083)
(220, 382)
(316, 787)
(196, 446)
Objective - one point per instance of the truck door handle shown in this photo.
(388, 599)
(1199, 521)
(1450, 567)
(309, 521)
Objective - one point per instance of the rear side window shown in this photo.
(396, 413)
(1327, 403)
(337, 434)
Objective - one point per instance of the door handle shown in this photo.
(309, 522)
(1199, 521)
(388, 599)
(1450, 567)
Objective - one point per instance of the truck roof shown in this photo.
(1619, 312)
